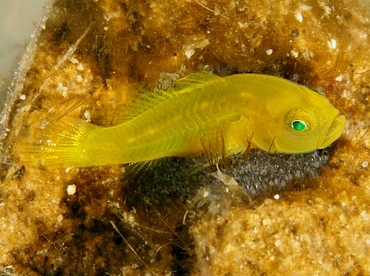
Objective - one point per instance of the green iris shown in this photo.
(299, 125)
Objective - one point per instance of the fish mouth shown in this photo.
(333, 132)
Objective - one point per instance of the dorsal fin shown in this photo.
(194, 81)
(144, 103)
(188, 84)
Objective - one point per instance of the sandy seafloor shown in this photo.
(93, 55)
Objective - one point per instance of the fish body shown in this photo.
(278, 115)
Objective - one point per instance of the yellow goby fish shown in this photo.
(279, 115)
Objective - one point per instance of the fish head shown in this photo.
(301, 123)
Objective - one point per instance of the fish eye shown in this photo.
(299, 121)
(299, 125)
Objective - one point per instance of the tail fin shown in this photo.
(58, 144)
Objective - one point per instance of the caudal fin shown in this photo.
(60, 143)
